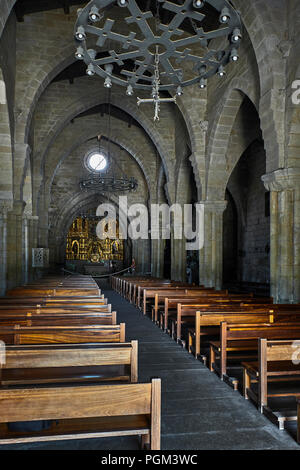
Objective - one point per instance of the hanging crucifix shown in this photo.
(156, 99)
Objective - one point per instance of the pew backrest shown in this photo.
(63, 334)
(68, 356)
(87, 401)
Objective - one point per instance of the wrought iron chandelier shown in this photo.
(109, 184)
(150, 49)
(103, 182)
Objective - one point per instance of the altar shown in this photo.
(84, 245)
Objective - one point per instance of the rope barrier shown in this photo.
(102, 275)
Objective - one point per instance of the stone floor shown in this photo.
(198, 410)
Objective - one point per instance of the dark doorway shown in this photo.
(167, 260)
(230, 240)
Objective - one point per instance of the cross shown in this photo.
(156, 100)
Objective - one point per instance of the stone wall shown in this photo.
(8, 64)
(253, 221)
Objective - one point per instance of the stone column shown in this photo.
(211, 255)
(43, 229)
(5, 206)
(157, 249)
(284, 186)
(32, 222)
(178, 259)
(178, 245)
(157, 257)
(25, 249)
(21, 155)
(15, 245)
(141, 254)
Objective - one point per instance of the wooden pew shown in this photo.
(75, 300)
(58, 319)
(67, 285)
(122, 282)
(48, 309)
(63, 334)
(130, 288)
(160, 283)
(94, 411)
(204, 302)
(150, 293)
(275, 364)
(61, 363)
(128, 283)
(45, 292)
(221, 304)
(243, 337)
(215, 318)
(38, 301)
(186, 313)
(63, 282)
(138, 288)
(162, 297)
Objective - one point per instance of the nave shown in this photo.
(199, 411)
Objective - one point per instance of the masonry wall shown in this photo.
(8, 64)
(230, 239)
(253, 232)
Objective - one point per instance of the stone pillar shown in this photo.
(32, 223)
(5, 206)
(178, 246)
(43, 230)
(25, 249)
(157, 249)
(284, 186)
(178, 259)
(157, 257)
(21, 155)
(141, 254)
(211, 255)
(15, 245)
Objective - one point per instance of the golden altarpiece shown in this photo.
(83, 244)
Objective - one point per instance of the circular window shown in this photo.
(96, 161)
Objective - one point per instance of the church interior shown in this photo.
(110, 341)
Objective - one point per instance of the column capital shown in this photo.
(214, 206)
(282, 179)
(30, 217)
(18, 207)
(22, 148)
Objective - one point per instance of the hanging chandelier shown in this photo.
(147, 50)
(109, 184)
